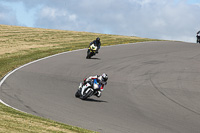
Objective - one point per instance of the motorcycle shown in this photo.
(87, 90)
(91, 51)
(198, 39)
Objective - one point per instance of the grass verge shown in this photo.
(20, 45)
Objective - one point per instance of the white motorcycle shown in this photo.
(87, 90)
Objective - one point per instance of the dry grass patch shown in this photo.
(14, 38)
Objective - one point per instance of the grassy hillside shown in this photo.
(20, 45)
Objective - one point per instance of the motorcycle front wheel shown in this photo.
(88, 55)
(77, 94)
(86, 95)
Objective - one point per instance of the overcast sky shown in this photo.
(159, 19)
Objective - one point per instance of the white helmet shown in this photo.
(104, 77)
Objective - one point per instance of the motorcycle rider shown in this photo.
(97, 43)
(101, 80)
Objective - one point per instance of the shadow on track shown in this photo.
(94, 100)
(95, 58)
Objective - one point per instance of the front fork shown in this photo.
(82, 88)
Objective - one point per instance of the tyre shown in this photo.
(77, 94)
(88, 55)
(198, 40)
(86, 95)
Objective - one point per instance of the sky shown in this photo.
(158, 19)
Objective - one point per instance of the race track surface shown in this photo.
(153, 87)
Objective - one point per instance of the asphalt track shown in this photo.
(153, 87)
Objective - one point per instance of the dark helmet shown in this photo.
(98, 39)
(104, 77)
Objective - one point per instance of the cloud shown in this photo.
(166, 19)
(7, 16)
(56, 19)
(53, 13)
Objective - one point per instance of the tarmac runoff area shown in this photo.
(153, 87)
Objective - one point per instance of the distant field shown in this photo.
(20, 45)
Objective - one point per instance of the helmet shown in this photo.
(98, 39)
(104, 77)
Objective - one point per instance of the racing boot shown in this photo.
(97, 94)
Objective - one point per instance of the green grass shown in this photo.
(20, 45)
(15, 121)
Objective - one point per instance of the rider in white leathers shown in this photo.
(101, 80)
